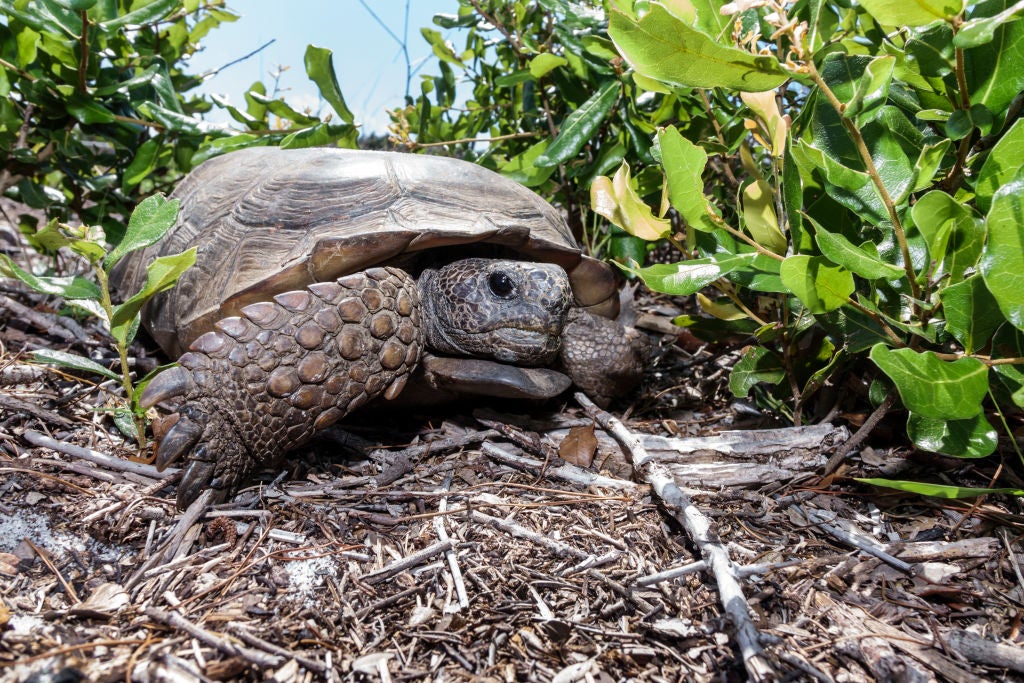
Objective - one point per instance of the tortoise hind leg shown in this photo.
(602, 357)
(265, 382)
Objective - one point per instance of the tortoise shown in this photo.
(325, 278)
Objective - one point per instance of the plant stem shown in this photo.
(872, 170)
(715, 218)
(83, 57)
(122, 352)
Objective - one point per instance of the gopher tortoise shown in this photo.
(325, 278)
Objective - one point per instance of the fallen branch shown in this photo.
(984, 651)
(413, 560)
(557, 547)
(109, 461)
(699, 529)
(823, 522)
(566, 472)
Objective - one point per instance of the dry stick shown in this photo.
(557, 547)
(820, 520)
(699, 529)
(413, 560)
(567, 472)
(108, 461)
(48, 561)
(865, 429)
(190, 517)
(16, 405)
(983, 651)
(175, 620)
(450, 555)
(248, 638)
(742, 571)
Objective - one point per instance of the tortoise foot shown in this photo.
(265, 382)
(604, 358)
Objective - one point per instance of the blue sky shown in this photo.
(369, 62)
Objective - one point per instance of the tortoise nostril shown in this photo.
(501, 284)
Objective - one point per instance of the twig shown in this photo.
(248, 638)
(413, 560)
(699, 529)
(839, 456)
(557, 547)
(978, 649)
(48, 561)
(108, 461)
(820, 520)
(177, 621)
(571, 473)
(390, 600)
(172, 546)
(16, 405)
(741, 571)
(450, 555)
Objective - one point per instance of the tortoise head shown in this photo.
(511, 311)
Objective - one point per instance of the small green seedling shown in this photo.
(150, 221)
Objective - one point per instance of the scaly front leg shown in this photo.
(265, 382)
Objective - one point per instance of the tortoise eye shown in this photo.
(501, 284)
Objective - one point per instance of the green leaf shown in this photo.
(320, 69)
(972, 437)
(851, 188)
(545, 62)
(69, 287)
(442, 50)
(1008, 342)
(124, 420)
(142, 14)
(841, 251)
(932, 387)
(1002, 265)
(980, 31)
(757, 365)
(952, 231)
(971, 313)
(77, 5)
(758, 203)
(662, 47)
(820, 285)
(579, 126)
(928, 162)
(322, 134)
(523, 168)
(684, 164)
(937, 490)
(73, 361)
(688, 277)
(1001, 166)
(917, 13)
(142, 164)
(161, 274)
(88, 111)
(871, 89)
(995, 70)
(150, 221)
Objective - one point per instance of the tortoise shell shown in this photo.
(266, 220)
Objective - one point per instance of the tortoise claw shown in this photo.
(198, 477)
(180, 438)
(176, 381)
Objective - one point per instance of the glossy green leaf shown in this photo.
(142, 164)
(871, 89)
(758, 364)
(523, 168)
(758, 203)
(952, 231)
(684, 164)
(541, 64)
(688, 277)
(1002, 165)
(579, 126)
(972, 437)
(88, 111)
(320, 69)
(442, 50)
(851, 188)
(150, 221)
(927, 165)
(932, 387)
(971, 313)
(820, 285)
(219, 146)
(977, 32)
(124, 420)
(938, 490)
(322, 134)
(73, 361)
(842, 252)
(663, 47)
(995, 70)
(917, 13)
(930, 50)
(161, 275)
(142, 14)
(69, 287)
(1008, 342)
(1002, 265)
